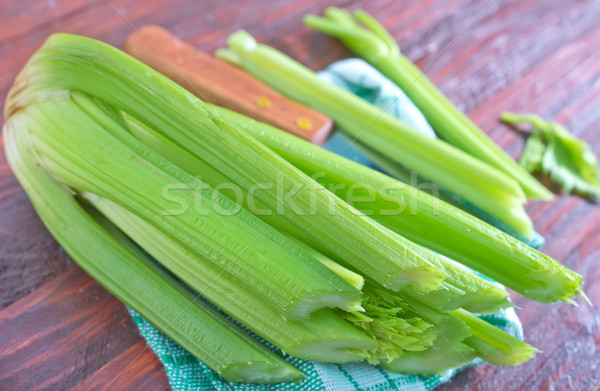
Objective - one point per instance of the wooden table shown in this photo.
(59, 329)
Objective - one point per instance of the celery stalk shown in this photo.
(492, 344)
(386, 319)
(452, 169)
(369, 39)
(397, 171)
(130, 276)
(425, 219)
(70, 62)
(460, 289)
(79, 145)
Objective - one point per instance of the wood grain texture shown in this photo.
(64, 331)
(116, 374)
(487, 56)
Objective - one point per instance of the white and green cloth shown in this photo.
(187, 373)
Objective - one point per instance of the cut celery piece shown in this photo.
(494, 345)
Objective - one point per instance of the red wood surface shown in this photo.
(59, 329)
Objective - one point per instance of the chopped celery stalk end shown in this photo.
(494, 345)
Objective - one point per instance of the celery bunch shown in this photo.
(368, 38)
(87, 124)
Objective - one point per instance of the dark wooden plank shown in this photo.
(137, 368)
(519, 55)
(57, 336)
(29, 256)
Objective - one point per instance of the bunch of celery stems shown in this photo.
(124, 167)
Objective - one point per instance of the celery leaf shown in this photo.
(553, 150)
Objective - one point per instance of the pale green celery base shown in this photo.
(105, 254)
(426, 220)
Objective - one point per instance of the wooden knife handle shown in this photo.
(218, 82)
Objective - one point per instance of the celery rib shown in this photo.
(494, 345)
(373, 43)
(475, 181)
(105, 255)
(426, 220)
